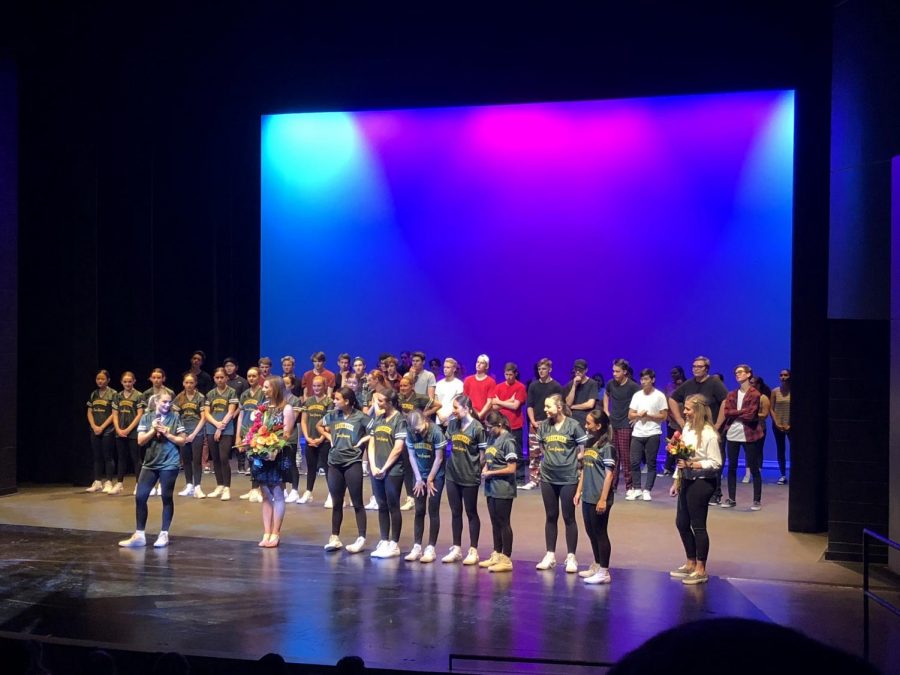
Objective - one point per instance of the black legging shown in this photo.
(192, 458)
(290, 451)
(458, 495)
(433, 506)
(595, 524)
(340, 479)
(146, 480)
(500, 511)
(387, 494)
(781, 448)
(127, 447)
(409, 478)
(221, 453)
(103, 448)
(753, 456)
(690, 517)
(554, 495)
(313, 455)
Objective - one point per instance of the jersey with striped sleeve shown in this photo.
(129, 407)
(386, 431)
(466, 446)
(559, 465)
(499, 454)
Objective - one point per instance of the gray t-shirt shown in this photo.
(423, 381)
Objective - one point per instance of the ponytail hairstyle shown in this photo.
(103, 372)
(415, 418)
(602, 420)
(378, 377)
(222, 370)
(350, 396)
(495, 419)
(464, 401)
(391, 397)
(127, 373)
(292, 378)
(561, 402)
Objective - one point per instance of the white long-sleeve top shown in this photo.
(707, 450)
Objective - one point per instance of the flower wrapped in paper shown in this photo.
(265, 438)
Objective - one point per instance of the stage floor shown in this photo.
(213, 592)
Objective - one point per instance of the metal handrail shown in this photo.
(869, 595)
(527, 659)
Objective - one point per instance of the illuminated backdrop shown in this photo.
(654, 229)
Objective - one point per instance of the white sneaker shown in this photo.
(746, 478)
(590, 571)
(328, 503)
(408, 504)
(647, 497)
(226, 494)
(392, 550)
(96, 486)
(601, 577)
(292, 497)
(455, 555)
(631, 495)
(373, 504)
(255, 496)
(548, 562)
(379, 549)
(306, 498)
(215, 493)
(117, 489)
(286, 493)
(162, 540)
(472, 557)
(134, 493)
(530, 485)
(357, 545)
(247, 494)
(198, 493)
(188, 491)
(107, 487)
(428, 555)
(571, 564)
(156, 491)
(137, 540)
(334, 543)
(415, 554)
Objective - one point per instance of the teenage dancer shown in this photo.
(781, 421)
(128, 407)
(387, 437)
(499, 474)
(596, 494)
(292, 496)
(248, 403)
(425, 443)
(697, 481)
(467, 444)
(345, 429)
(220, 411)
(164, 432)
(100, 419)
(314, 409)
(189, 406)
(157, 387)
(562, 441)
(272, 473)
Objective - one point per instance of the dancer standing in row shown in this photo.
(291, 496)
(314, 409)
(100, 419)
(164, 432)
(220, 410)
(425, 443)
(499, 475)
(539, 390)
(128, 407)
(189, 406)
(596, 495)
(247, 405)
(781, 421)
(387, 441)
(562, 442)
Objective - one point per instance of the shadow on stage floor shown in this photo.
(240, 601)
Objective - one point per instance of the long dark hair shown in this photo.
(350, 396)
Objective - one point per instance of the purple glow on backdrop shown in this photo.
(653, 229)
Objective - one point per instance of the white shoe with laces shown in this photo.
(256, 496)
(647, 497)
(391, 550)
(328, 503)
(472, 557)
(601, 577)
(571, 564)
(530, 485)
(107, 488)
(414, 554)
(162, 540)
(136, 540)
(373, 504)
(379, 549)
(334, 543)
(117, 489)
(631, 495)
(226, 494)
(292, 497)
(357, 545)
(548, 562)
(454, 555)
(428, 555)
(306, 498)
(96, 486)
(198, 493)
(408, 504)
(188, 491)
(590, 571)
(215, 494)
(247, 494)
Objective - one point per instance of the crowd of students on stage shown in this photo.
(430, 430)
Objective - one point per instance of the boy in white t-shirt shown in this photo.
(647, 412)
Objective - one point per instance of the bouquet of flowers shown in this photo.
(679, 450)
(264, 440)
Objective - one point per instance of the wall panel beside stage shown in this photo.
(8, 272)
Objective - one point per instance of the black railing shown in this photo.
(869, 595)
(524, 659)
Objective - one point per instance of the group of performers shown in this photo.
(430, 436)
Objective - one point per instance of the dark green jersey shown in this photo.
(559, 465)
(346, 433)
(248, 402)
(161, 452)
(386, 432)
(190, 409)
(466, 446)
(296, 406)
(499, 454)
(315, 410)
(414, 402)
(427, 448)
(599, 460)
(101, 406)
(128, 407)
(151, 395)
(217, 403)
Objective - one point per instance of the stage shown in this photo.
(213, 592)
